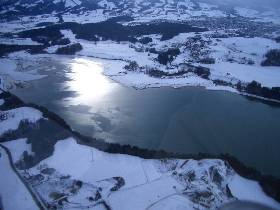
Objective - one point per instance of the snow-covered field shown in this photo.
(146, 184)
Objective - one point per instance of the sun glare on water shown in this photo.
(86, 79)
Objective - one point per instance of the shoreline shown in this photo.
(270, 184)
(106, 73)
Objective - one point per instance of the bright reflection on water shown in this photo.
(87, 81)
(185, 120)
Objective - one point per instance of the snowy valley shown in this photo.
(46, 164)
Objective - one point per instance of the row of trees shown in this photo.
(111, 30)
(257, 89)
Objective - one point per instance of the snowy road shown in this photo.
(13, 191)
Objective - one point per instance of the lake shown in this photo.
(185, 120)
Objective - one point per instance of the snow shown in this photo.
(145, 195)
(245, 12)
(13, 193)
(7, 66)
(110, 5)
(267, 76)
(114, 56)
(151, 172)
(15, 116)
(52, 49)
(94, 165)
(115, 70)
(112, 50)
(240, 47)
(68, 34)
(93, 16)
(25, 23)
(11, 74)
(108, 49)
(248, 190)
(72, 3)
(148, 183)
(141, 80)
(175, 202)
(236, 48)
(17, 147)
(266, 15)
(170, 10)
(19, 68)
(222, 88)
(142, 11)
(18, 41)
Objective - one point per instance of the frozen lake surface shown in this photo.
(185, 120)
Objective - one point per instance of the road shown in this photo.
(17, 193)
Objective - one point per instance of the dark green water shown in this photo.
(185, 120)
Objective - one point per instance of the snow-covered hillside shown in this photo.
(140, 9)
(126, 182)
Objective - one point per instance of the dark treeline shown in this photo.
(42, 7)
(168, 56)
(272, 58)
(112, 30)
(44, 135)
(9, 48)
(70, 49)
(255, 88)
(200, 71)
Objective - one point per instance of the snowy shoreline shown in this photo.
(68, 153)
(118, 150)
(113, 68)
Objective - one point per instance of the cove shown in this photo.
(185, 120)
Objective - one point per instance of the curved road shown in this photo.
(35, 198)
